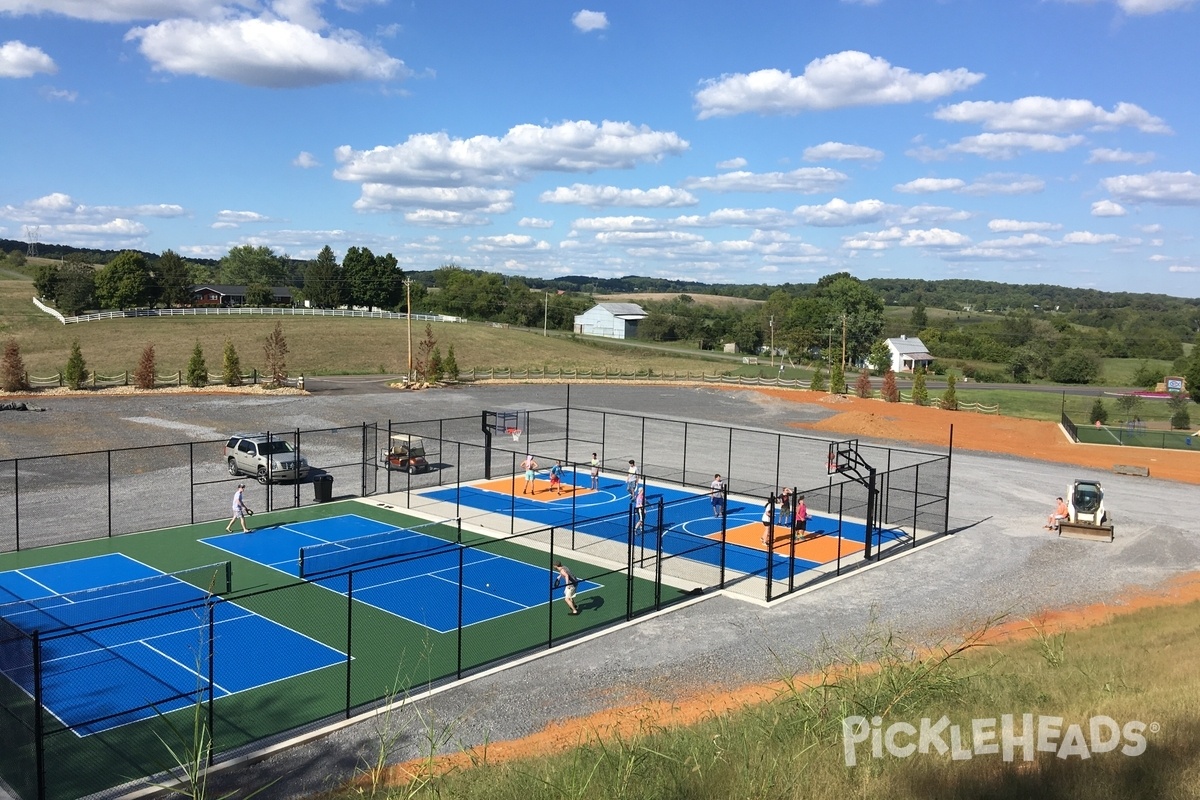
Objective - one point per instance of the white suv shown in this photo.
(266, 459)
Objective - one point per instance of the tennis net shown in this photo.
(55, 612)
(343, 555)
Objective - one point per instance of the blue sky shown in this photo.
(1022, 141)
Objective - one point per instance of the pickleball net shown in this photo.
(340, 556)
(65, 610)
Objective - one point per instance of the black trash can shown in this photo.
(323, 487)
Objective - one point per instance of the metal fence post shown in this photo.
(349, 636)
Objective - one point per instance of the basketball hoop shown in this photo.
(515, 433)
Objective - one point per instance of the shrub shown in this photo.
(950, 396)
(1099, 413)
(450, 366)
(818, 380)
(12, 372)
(231, 367)
(197, 371)
(144, 375)
(889, 391)
(862, 387)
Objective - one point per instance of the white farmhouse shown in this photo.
(909, 354)
(612, 320)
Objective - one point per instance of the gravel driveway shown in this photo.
(1000, 559)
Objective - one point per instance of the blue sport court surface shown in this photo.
(153, 656)
(692, 532)
(412, 575)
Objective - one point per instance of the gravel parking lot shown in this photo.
(999, 560)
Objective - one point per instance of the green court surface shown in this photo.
(386, 656)
(1138, 437)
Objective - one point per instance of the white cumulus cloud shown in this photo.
(1047, 114)
(436, 159)
(268, 53)
(588, 21)
(1107, 208)
(1088, 237)
(929, 185)
(848, 78)
(837, 213)
(1104, 155)
(305, 160)
(807, 180)
(596, 196)
(838, 151)
(19, 60)
(1017, 226)
(1164, 188)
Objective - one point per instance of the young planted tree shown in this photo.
(231, 366)
(1129, 405)
(197, 370)
(862, 386)
(950, 397)
(144, 375)
(12, 371)
(1098, 413)
(450, 367)
(425, 350)
(837, 380)
(75, 373)
(818, 380)
(889, 391)
(436, 365)
(276, 350)
(920, 395)
(1181, 420)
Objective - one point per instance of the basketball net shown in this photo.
(515, 433)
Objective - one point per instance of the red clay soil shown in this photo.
(985, 432)
(897, 422)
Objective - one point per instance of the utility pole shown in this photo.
(545, 313)
(772, 340)
(843, 342)
(408, 307)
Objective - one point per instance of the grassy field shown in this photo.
(1133, 673)
(713, 300)
(1049, 405)
(316, 345)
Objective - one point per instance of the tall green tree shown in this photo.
(247, 264)
(125, 282)
(76, 287)
(173, 279)
(372, 281)
(857, 313)
(323, 280)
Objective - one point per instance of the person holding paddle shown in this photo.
(565, 578)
